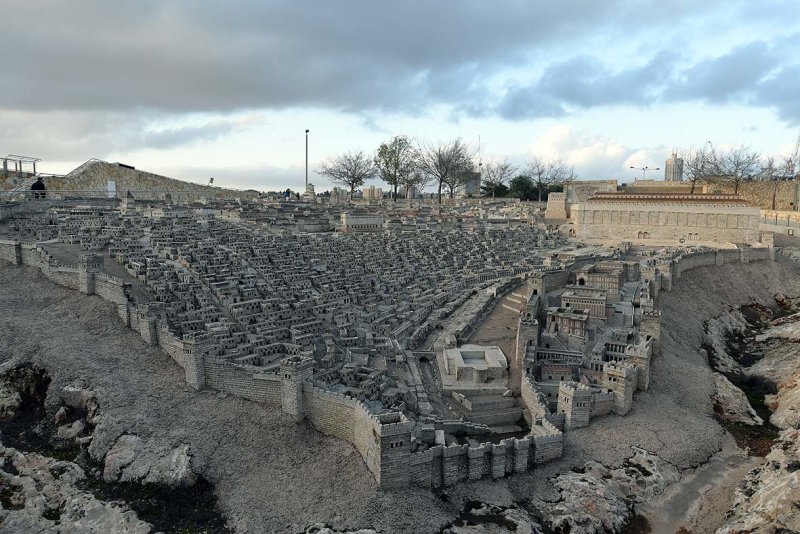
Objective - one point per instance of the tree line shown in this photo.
(737, 165)
(403, 163)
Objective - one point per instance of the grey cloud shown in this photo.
(756, 74)
(349, 54)
(728, 76)
(62, 134)
(585, 82)
(185, 135)
(365, 57)
(780, 92)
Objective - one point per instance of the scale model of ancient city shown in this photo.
(437, 363)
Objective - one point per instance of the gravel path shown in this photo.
(274, 476)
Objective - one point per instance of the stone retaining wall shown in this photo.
(246, 383)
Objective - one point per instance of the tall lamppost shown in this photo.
(306, 159)
(645, 169)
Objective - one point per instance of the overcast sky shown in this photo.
(205, 88)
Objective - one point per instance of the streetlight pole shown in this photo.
(306, 158)
(645, 169)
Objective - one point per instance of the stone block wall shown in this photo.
(384, 441)
(63, 276)
(444, 466)
(622, 379)
(692, 261)
(531, 398)
(672, 271)
(761, 194)
(548, 441)
(246, 383)
(650, 326)
(552, 280)
(575, 402)
(602, 404)
(110, 288)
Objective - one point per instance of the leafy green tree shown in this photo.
(522, 188)
(498, 190)
(396, 161)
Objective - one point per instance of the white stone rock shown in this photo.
(733, 403)
(76, 397)
(175, 469)
(785, 404)
(41, 485)
(70, 431)
(768, 500)
(121, 454)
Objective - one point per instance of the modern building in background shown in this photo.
(673, 169)
(471, 186)
(373, 193)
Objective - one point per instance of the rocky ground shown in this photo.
(271, 475)
(767, 499)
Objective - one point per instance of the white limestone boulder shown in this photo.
(785, 404)
(71, 431)
(174, 469)
(121, 454)
(599, 499)
(133, 459)
(38, 488)
(732, 404)
(767, 500)
(81, 399)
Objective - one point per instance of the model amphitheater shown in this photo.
(180, 358)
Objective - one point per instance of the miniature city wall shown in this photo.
(577, 402)
(384, 441)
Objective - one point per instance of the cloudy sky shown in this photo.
(203, 88)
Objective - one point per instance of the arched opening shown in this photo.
(640, 235)
(535, 291)
(581, 282)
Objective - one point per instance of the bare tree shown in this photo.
(395, 160)
(497, 173)
(699, 164)
(463, 175)
(790, 163)
(547, 173)
(350, 169)
(770, 172)
(737, 165)
(445, 163)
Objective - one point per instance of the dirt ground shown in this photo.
(272, 475)
(500, 329)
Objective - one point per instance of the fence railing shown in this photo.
(781, 220)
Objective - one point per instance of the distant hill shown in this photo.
(100, 176)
